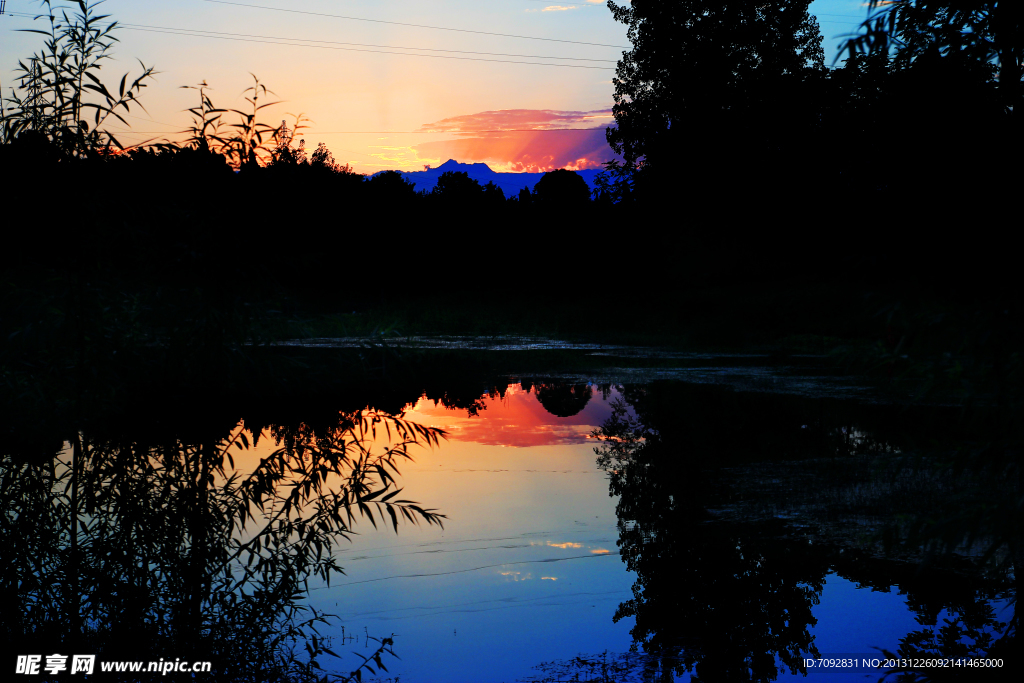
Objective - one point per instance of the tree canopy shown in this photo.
(973, 35)
(698, 66)
(562, 187)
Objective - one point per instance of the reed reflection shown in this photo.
(133, 549)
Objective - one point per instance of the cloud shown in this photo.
(524, 140)
(519, 119)
(526, 152)
(394, 157)
(565, 8)
(553, 8)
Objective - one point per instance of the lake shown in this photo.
(528, 578)
(700, 517)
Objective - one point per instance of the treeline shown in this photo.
(760, 191)
(732, 104)
(745, 160)
(186, 213)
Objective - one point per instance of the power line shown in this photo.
(310, 133)
(162, 123)
(449, 132)
(399, 23)
(337, 45)
(305, 41)
(176, 32)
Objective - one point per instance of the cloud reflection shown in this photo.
(517, 420)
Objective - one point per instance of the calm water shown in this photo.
(716, 523)
(528, 573)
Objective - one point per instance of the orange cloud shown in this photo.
(524, 140)
(518, 120)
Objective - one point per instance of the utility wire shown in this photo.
(309, 133)
(162, 123)
(304, 41)
(337, 45)
(357, 49)
(399, 23)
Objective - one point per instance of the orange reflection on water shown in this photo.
(516, 419)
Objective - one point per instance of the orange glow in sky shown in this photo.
(388, 85)
(372, 76)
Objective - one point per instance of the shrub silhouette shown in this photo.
(457, 185)
(562, 187)
(392, 186)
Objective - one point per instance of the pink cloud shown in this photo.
(521, 119)
(524, 140)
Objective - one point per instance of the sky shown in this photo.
(522, 85)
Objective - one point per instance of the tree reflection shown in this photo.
(563, 400)
(724, 601)
(139, 550)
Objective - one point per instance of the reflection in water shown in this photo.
(516, 414)
(725, 592)
(563, 400)
(136, 550)
(726, 602)
(200, 546)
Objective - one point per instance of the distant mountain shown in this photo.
(510, 183)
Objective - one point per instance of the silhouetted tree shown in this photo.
(322, 158)
(562, 187)
(969, 35)
(290, 156)
(614, 183)
(457, 186)
(709, 80)
(391, 186)
(493, 195)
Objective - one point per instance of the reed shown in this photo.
(59, 89)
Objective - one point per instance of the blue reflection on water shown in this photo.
(527, 568)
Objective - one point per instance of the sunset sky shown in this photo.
(387, 84)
